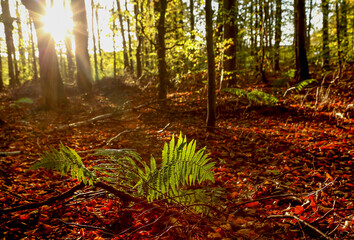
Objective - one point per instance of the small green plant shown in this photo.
(181, 166)
(255, 96)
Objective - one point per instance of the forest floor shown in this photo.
(282, 171)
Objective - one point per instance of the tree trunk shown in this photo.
(70, 57)
(230, 37)
(303, 64)
(278, 18)
(296, 34)
(94, 40)
(7, 21)
(338, 28)
(161, 50)
(325, 34)
(191, 17)
(211, 108)
(130, 52)
(139, 39)
(33, 50)
(125, 52)
(99, 39)
(309, 26)
(114, 43)
(21, 48)
(50, 79)
(344, 24)
(83, 66)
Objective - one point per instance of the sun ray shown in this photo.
(58, 21)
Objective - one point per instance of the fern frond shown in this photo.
(301, 85)
(255, 96)
(64, 161)
(181, 166)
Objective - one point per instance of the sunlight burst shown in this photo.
(58, 22)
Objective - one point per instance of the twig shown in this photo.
(163, 129)
(117, 136)
(85, 226)
(49, 201)
(9, 153)
(302, 221)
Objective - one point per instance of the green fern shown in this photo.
(255, 96)
(181, 165)
(301, 85)
(64, 161)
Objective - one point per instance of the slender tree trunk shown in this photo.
(70, 57)
(139, 39)
(94, 39)
(130, 49)
(7, 21)
(338, 28)
(125, 52)
(191, 17)
(51, 82)
(278, 18)
(161, 49)
(114, 44)
(296, 34)
(21, 48)
(99, 38)
(83, 66)
(211, 108)
(325, 34)
(303, 64)
(230, 37)
(309, 26)
(262, 36)
(33, 49)
(344, 24)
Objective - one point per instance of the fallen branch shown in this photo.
(9, 153)
(102, 117)
(304, 222)
(49, 201)
(120, 194)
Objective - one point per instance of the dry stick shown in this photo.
(85, 226)
(104, 116)
(49, 201)
(9, 153)
(302, 221)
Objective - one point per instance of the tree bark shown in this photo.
(325, 34)
(191, 17)
(278, 18)
(161, 49)
(230, 38)
(83, 66)
(7, 21)
(130, 52)
(211, 108)
(94, 39)
(125, 53)
(33, 50)
(99, 38)
(139, 39)
(21, 48)
(51, 82)
(303, 64)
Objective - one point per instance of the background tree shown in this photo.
(51, 82)
(94, 39)
(11, 59)
(1, 77)
(230, 38)
(83, 66)
(278, 19)
(125, 52)
(161, 48)
(211, 108)
(325, 36)
(303, 69)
